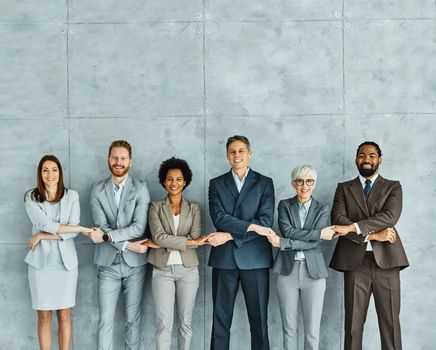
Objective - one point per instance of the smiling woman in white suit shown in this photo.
(55, 214)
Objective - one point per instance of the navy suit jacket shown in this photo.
(233, 212)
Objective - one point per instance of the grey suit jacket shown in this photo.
(293, 238)
(163, 232)
(126, 223)
(40, 215)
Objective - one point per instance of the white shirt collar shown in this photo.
(236, 177)
(306, 205)
(363, 179)
(121, 185)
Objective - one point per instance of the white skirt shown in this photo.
(52, 288)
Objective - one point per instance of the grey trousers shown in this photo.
(291, 289)
(174, 283)
(110, 281)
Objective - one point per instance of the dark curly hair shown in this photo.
(175, 163)
(369, 143)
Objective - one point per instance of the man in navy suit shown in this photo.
(241, 205)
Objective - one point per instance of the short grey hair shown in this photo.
(302, 170)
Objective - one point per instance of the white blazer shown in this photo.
(40, 214)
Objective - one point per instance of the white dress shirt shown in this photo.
(118, 191)
(240, 183)
(175, 258)
(358, 231)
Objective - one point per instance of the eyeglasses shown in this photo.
(300, 182)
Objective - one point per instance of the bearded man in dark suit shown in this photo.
(369, 250)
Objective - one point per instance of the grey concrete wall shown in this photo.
(305, 80)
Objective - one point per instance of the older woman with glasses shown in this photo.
(303, 223)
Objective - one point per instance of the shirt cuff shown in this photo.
(358, 231)
(124, 248)
(52, 227)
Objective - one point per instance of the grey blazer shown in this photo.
(294, 238)
(40, 215)
(126, 223)
(163, 232)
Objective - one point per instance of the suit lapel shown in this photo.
(376, 189)
(124, 195)
(249, 182)
(230, 183)
(310, 217)
(295, 211)
(183, 216)
(110, 196)
(63, 203)
(357, 191)
(166, 207)
(47, 208)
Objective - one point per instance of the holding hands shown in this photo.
(138, 246)
(216, 239)
(328, 233)
(274, 239)
(96, 235)
(85, 231)
(202, 240)
(261, 230)
(267, 232)
(387, 235)
(342, 230)
(35, 239)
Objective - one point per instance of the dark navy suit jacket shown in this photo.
(233, 212)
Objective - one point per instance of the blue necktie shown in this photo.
(367, 188)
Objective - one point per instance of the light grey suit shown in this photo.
(39, 214)
(53, 264)
(116, 268)
(301, 280)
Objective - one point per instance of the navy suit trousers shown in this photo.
(255, 287)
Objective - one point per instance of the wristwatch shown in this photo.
(106, 237)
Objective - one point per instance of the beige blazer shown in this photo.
(162, 231)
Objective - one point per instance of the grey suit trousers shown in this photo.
(110, 281)
(174, 283)
(291, 289)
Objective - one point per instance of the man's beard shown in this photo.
(367, 172)
(119, 172)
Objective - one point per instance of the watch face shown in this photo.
(105, 237)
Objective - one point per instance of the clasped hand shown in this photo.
(273, 238)
(33, 241)
(387, 235)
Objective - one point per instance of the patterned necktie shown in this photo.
(367, 188)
